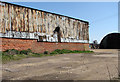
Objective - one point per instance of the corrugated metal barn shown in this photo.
(27, 23)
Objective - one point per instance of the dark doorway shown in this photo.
(57, 29)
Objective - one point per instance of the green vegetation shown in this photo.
(58, 51)
(13, 54)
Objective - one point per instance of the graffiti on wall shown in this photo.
(22, 22)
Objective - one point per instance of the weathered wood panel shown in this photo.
(6, 17)
(22, 19)
(26, 19)
(30, 20)
(35, 22)
(1, 18)
(39, 21)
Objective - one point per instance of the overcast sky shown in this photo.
(102, 16)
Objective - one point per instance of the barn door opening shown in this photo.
(57, 29)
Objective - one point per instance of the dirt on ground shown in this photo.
(100, 65)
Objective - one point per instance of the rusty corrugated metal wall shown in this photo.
(22, 22)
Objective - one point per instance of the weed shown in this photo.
(13, 54)
(12, 51)
(26, 52)
(58, 51)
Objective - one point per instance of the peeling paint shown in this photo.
(22, 22)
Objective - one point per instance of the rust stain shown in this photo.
(17, 18)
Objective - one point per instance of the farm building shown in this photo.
(23, 27)
(110, 41)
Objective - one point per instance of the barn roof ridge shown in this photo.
(45, 11)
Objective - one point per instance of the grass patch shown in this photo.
(12, 54)
(58, 51)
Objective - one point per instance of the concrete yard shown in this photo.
(101, 65)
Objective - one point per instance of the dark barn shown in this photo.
(110, 41)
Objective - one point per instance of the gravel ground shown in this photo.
(101, 65)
